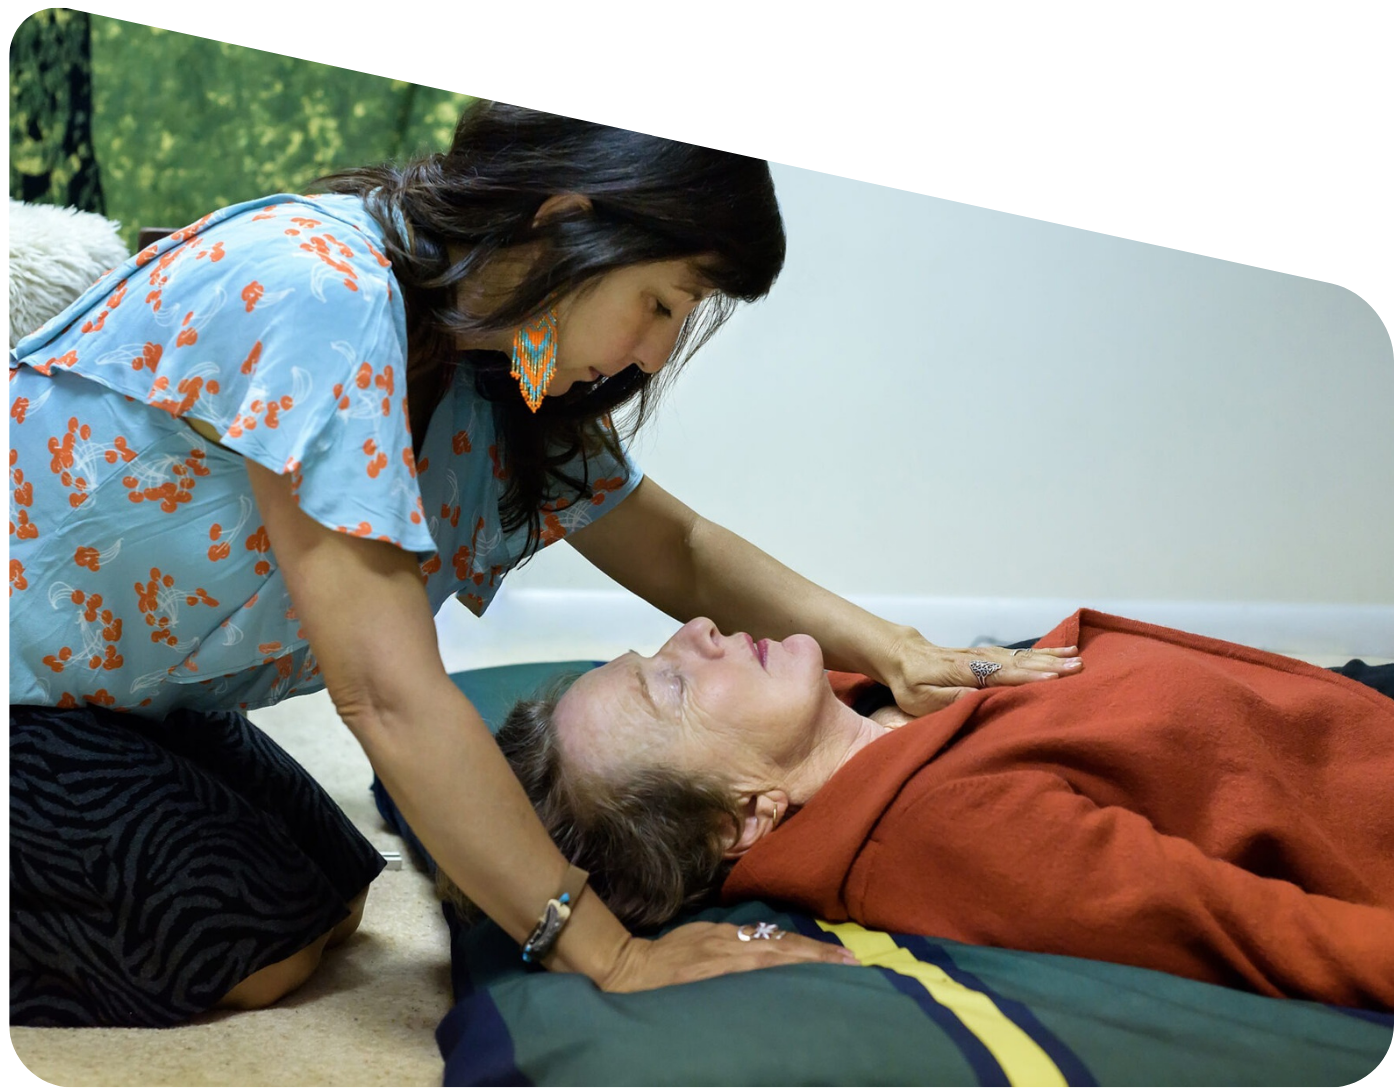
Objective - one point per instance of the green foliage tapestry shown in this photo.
(182, 125)
(51, 154)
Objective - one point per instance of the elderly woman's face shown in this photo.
(705, 701)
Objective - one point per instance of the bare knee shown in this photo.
(344, 929)
(272, 983)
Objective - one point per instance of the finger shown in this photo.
(724, 938)
(1028, 665)
(789, 941)
(798, 949)
(1053, 665)
(1045, 654)
(728, 955)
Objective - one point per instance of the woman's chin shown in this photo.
(804, 648)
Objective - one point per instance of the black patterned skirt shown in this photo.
(155, 865)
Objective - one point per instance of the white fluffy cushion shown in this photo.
(55, 253)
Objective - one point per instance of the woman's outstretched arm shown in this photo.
(687, 566)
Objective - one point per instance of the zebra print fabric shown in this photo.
(154, 865)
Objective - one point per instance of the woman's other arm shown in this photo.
(372, 631)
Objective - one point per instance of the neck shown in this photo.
(841, 734)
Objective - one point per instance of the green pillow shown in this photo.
(928, 1012)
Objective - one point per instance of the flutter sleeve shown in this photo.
(282, 327)
(332, 413)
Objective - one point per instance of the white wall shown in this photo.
(983, 421)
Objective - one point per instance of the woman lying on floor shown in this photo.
(1183, 804)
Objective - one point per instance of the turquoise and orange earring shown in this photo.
(532, 357)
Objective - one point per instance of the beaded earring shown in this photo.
(532, 357)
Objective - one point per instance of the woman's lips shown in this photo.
(760, 650)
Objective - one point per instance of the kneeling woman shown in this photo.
(1182, 804)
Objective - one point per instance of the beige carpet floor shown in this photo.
(365, 1019)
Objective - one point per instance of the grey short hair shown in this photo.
(653, 840)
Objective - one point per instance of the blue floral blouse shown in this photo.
(141, 577)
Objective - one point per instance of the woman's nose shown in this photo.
(654, 353)
(702, 636)
(651, 368)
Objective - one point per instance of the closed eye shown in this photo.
(669, 697)
(671, 689)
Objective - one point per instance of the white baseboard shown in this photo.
(539, 625)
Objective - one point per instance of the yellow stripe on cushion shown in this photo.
(1019, 1056)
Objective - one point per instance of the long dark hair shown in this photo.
(652, 200)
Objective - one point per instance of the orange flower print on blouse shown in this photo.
(377, 459)
(77, 458)
(378, 257)
(188, 392)
(371, 392)
(21, 500)
(188, 334)
(97, 628)
(603, 486)
(464, 556)
(67, 360)
(384, 380)
(223, 538)
(161, 271)
(159, 601)
(92, 325)
(149, 358)
(466, 564)
(551, 527)
(56, 662)
(333, 253)
(103, 631)
(260, 544)
(169, 481)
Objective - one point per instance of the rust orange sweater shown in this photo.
(1183, 804)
